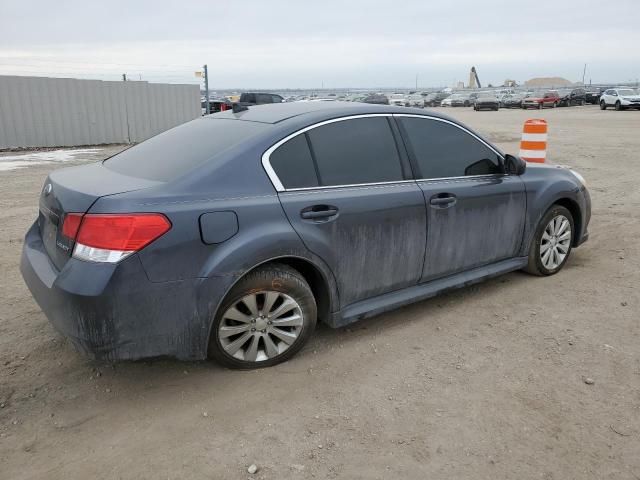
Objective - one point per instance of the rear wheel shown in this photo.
(618, 105)
(551, 244)
(266, 318)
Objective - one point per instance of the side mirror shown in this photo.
(514, 165)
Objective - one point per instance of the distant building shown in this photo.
(510, 83)
(548, 82)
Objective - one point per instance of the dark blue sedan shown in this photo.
(231, 235)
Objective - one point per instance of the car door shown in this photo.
(607, 96)
(347, 192)
(475, 212)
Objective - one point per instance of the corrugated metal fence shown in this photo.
(53, 112)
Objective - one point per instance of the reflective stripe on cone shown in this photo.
(533, 146)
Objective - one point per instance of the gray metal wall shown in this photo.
(52, 112)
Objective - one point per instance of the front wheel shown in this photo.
(603, 106)
(618, 106)
(551, 244)
(266, 318)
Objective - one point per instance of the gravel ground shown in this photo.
(516, 378)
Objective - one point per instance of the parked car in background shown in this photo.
(486, 101)
(376, 99)
(461, 100)
(232, 235)
(512, 100)
(541, 100)
(447, 102)
(592, 95)
(415, 100)
(216, 105)
(398, 99)
(250, 98)
(576, 96)
(620, 99)
(435, 99)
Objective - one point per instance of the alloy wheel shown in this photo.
(260, 326)
(555, 242)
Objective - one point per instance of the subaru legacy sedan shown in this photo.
(230, 236)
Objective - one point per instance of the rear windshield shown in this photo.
(179, 150)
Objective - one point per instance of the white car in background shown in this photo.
(619, 99)
(415, 100)
(446, 102)
(398, 99)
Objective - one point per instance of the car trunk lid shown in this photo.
(74, 190)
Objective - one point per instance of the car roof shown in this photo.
(279, 112)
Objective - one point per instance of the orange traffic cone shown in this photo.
(533, 146)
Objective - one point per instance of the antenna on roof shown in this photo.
(237, 108)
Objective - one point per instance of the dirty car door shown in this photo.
(475, 212)
(348, 196)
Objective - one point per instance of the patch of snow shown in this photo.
(27, 159)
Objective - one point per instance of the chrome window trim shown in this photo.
(350, 185)
(277, 184)
(444, 120)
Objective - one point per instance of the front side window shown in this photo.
(361, 150)
(263, 98)
(442, 150)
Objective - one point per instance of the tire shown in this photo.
(603, 105)
(540, 105)
(582, 103)
(537, 264)
(263, 340)
(618, 106)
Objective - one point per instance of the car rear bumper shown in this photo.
(112, 311)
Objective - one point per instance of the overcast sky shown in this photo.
(277, 44)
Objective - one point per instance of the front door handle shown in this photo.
(443, 200)
(319, 212)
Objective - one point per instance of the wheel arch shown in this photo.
(576, 213)
(319, 278)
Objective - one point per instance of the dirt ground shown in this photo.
(487, 382)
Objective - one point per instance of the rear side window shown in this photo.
(181, 149)
(293, 164)
(264, 98)
(442, 150)
(361, 150)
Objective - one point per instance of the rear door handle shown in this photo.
(319, 212)
(443, 200)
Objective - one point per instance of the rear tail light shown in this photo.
(112, 237)
(71, 225)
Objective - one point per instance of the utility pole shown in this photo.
(124, 77)
(206, 90)
(416, 82)
(584, 72)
